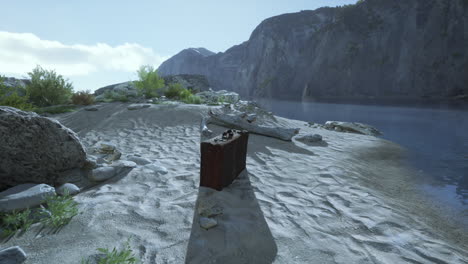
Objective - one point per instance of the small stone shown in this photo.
(91, 108)
(251, 118)
(309, 138)
(210, 212)
(90, 164)
(70, 188)
(157, 168)
(24, 196)
(114, 156)
(12, 255)
(138, 106)
(208, 223)
(124, 164)
(138, 160)
(103, 173)
(107, 148)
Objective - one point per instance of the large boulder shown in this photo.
(35, 149)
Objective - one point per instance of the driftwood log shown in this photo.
(238, 121)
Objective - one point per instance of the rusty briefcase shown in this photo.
(223, 158)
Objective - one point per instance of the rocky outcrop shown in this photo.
(35, 149)
(189, 81)
(375, 49)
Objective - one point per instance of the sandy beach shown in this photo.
(347, 199)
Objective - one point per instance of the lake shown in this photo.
(436, 138)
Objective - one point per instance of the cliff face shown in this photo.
(374, 49)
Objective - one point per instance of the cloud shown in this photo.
(21, 52)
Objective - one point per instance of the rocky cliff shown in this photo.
(396, 49)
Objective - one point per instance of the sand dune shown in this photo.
(348, 199)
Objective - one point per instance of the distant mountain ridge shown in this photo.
(374, 49)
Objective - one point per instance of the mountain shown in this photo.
(385, 49)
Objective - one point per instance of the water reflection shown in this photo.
(437, 138)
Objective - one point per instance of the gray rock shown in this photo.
(24, 196)
(103, 173)
(12, 255)
(71, 188)
(208, 223)
(91, 108)
(106, 148)
(35, 149)
(311, 138)
(138, 160)
(352, 127)
(138, 106)
(124, 164)
(156, 167)
(251, 118)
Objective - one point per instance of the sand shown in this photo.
(348, 199)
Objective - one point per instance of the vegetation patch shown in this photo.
(149, 82)
(15, 221)
(48, 88)
(60, 210)
(124, 256)
(82, 98)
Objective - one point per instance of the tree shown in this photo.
(149, 81)
(48, 88)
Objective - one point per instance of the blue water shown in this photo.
(436, 139)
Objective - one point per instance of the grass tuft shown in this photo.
(113, 256)
(15, 221)
(62, 209)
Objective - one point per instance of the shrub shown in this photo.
(48, 88)
(9, 97)
(62, 209)
(83, 98)
(174, 90)
(16, 101)
(149, 82)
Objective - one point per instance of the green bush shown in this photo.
(192, 99)
(16, 101)
(14, 221)
(149, 82)
(174, 90)
(9, 97)
(48, 88)
(82, 98)
(62, 209)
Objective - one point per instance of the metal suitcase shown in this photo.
(223, 158)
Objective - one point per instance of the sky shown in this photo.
(94, 43)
